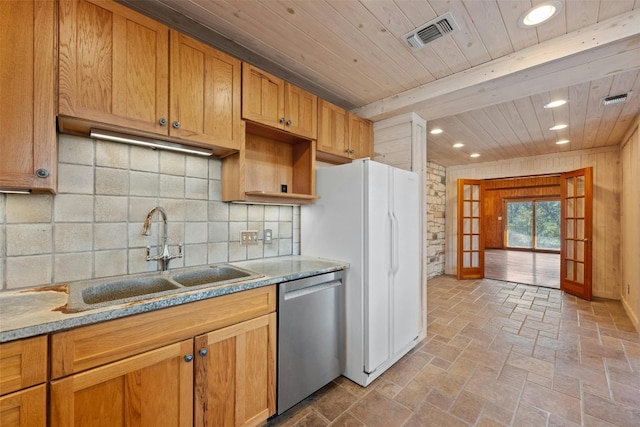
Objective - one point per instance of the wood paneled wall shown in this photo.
(630, 211)
(497, 190)
(606, 204)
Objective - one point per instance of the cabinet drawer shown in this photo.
(23, 363)
(24, 408)
(93, 345)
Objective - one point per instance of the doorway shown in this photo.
(482, 213)
(531, 246)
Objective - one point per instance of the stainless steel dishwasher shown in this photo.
(311, 336)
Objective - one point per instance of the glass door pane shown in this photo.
(547, 220)
(519, 230)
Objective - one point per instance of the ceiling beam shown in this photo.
(608, 47)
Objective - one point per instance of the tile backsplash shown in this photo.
(93, 227)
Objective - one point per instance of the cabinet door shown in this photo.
(262, 97)
(23, 363)
(113, 65)
(301, 112)
(235, 374)
(25, 408)
(154, 388)
(360, 137)
(205, 93)
(27, 110)
(333, 129)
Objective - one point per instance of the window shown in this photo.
(533, 224)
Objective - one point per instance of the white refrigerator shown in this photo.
(368, 215)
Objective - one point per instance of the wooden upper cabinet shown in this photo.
(262, 97)
(205, 93)
(342, 136)
(113, 66)
(301, 112)
(333, 129)
(27, 106)
(123, 71)
(271, 101)
(360, 137)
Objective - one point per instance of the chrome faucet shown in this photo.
(164, 256)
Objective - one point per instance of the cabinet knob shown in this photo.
(188, 358)
(203, 352)
(282, 120)
(176, 125)
(162, 121)
(288, 122)
(42, 173)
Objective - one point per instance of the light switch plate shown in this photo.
(249, 237)
(268, 236)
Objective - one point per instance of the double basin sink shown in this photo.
(112, 291)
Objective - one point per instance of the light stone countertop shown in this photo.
(29, 312)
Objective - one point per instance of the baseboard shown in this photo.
(632, 316)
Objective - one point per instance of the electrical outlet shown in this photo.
(249, 237)
(268, 236)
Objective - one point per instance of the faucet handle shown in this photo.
(179, 252)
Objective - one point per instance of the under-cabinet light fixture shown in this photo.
(558, 127)
(474, 155)
(458, 145)
(435, 131)
(562, 141)
(13, 191)
(147, 142)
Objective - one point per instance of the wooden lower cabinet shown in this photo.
(151, 389)
(206, 363)
(235, 374)
(24, 408)
(23, 373)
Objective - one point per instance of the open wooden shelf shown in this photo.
(267, 160)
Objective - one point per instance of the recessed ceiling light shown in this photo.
(554, 104)
(558, 127)
(436, 131)
(458, 145)
(539, 14)
(475, 155)
(562, 141)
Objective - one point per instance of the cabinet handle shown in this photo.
(162, 121)
(176, 125)
(288, 122)
(203, 352)
(42, 173)
(282, 120)
(188, 358)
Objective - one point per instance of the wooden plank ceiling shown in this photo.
(484, 85)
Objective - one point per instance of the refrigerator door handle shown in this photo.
(394, 243)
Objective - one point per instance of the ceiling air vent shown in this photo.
(616, 99)
(432, 30)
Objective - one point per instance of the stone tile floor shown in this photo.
(497, 354)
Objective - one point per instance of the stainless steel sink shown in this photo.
(126, 289)
(215, 274)
(97, 293)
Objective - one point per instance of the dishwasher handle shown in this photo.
(311, 289)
